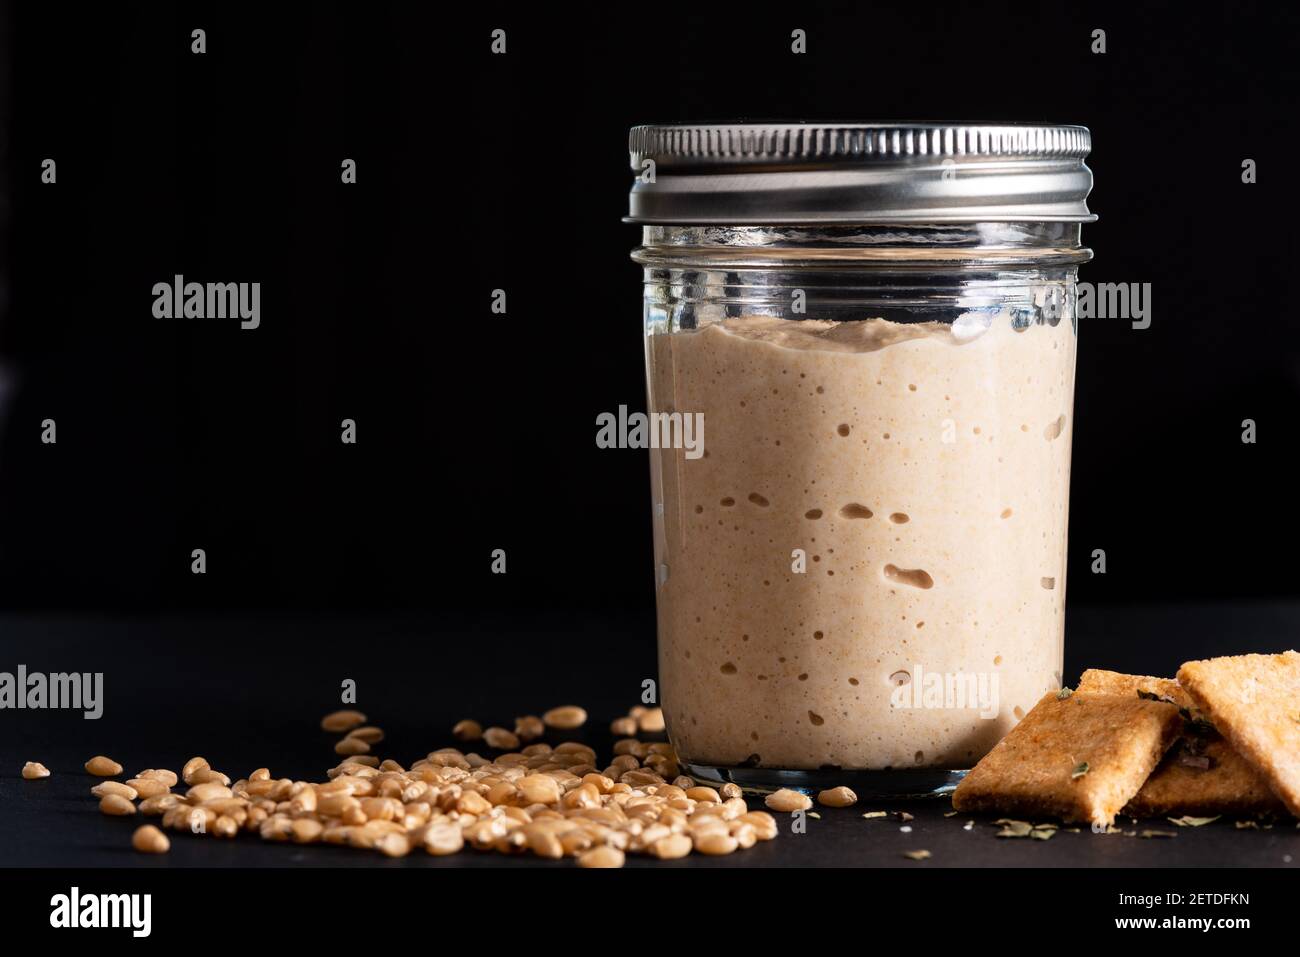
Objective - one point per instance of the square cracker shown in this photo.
(1031, 771)
(1254, 702)
(1202, 774)
(1096, 681)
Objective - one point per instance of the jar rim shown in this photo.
(974, 245)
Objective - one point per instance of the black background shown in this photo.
(479, 172)
(476, 431)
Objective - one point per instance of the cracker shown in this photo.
(1121, 739)
(1202, 774)
(1204, 777)
(1096, 681)
(1254, 702)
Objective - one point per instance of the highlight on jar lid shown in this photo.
(858, 173)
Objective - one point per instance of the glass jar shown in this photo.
(860, 565)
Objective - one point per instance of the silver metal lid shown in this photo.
(859, 173)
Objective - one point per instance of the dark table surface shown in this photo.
(247, 693)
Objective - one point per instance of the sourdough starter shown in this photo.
(924, 474)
